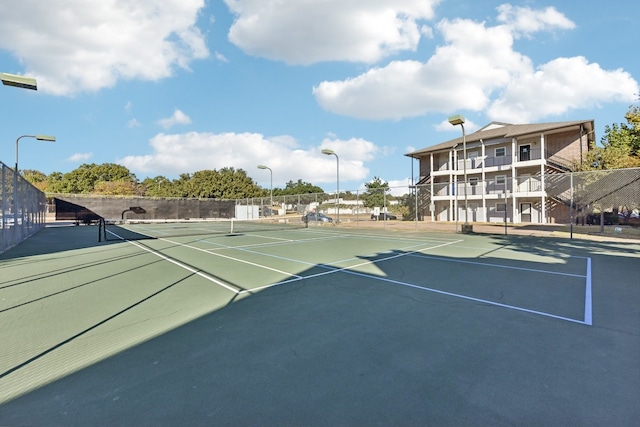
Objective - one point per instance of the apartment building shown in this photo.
(507, 168)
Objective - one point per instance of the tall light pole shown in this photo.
(270, 188)
(15, 177)
(459, 120)
(24, 83)
(18, 81)
(329, 153)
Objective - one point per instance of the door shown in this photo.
(525, 212)
(525, 153)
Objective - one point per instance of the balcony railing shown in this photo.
(523, 185)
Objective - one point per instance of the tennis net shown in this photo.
(153, 229)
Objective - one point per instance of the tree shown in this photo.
(37, 178)
(300, 187)
(55, 182)
(157, 187)
(85, 178)
(115, 188)
(375, 194)
(236, 184)
(227, 183)
(620, 145)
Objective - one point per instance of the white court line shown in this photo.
(256, 245)
(333, 270)
(181, 265)
(330, 264)
(451, 294)
(484, 264)
(348, 270)
(228, 257)
(387, 237)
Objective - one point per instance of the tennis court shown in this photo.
(167, 324)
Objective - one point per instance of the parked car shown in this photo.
(383, 216)
(317, 217)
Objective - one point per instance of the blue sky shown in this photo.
(174, 86)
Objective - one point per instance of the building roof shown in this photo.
(498, 130)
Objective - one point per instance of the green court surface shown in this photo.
(317, 326)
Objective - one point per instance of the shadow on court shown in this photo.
(351, 349)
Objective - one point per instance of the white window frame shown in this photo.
(501, 207)
(504, 151)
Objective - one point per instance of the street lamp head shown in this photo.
(262, 167)
(328, 152)
(18, 81)
(456, 120)
(46, 138)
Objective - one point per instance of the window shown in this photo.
(501, 152)
(473, 181)
(501, 180)
(501, 207)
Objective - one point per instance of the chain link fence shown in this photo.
(22, 208)
(606, 197)
(595, 197)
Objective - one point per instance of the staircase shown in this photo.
(424, 196)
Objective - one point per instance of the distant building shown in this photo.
(508, 167)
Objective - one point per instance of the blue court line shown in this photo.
(588, 308)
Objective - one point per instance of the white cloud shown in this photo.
(559, 86)
(72, 47)
(399, 187)
(220, 57)
(178, 118)
(478, 69)
(189, 152)
(309, 31)
(80, 157)
(133, 123)
(528, 21)
(445, 126)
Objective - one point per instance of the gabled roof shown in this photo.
(498, 130)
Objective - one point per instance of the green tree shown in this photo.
(159, 186)
(375, 193)
(300, 187)
(115, 188)
(227, 183)
(55, 182)
(236, 184)
(620, 145)
(37, 178)
(85, 178)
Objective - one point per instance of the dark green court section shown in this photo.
(319, 326)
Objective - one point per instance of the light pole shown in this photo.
(329, 153)
(15, 177)
(38, 137)
(24, 83)
(18, 81)
(270, 188)
(459, 120)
